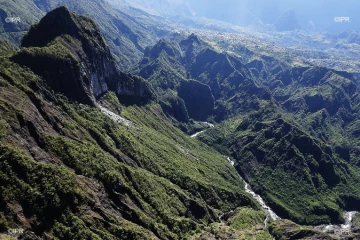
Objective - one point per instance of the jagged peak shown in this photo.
(60, 22)
(73, 48)
(193, 38)
(170, 48)
(57, 22)
(209, 52)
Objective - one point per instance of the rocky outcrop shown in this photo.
(72, 47)
(198, 99)
(175, 107)
(287, 230)
(191, 47)
(164, 66)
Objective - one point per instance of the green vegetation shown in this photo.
(6, 48)
(27, 12)
(247, 219)
(242, 223)
(71, 172)
(287, 230)
(112, 23)
(302, 178)
(356, 220)
(96, 148)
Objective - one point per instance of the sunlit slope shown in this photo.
(70, 171)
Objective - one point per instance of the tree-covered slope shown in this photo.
(71, 170)
(210, 82)
(88, 151)
(291, 127)
(164, 66)
(301, 153)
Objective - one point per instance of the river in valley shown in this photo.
(271, 215)
(340, 228)
(196, 134)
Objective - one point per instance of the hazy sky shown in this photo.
(320, 12)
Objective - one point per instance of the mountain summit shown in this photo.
(67, 49)
(72, 168)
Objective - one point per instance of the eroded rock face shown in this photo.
(198, 99)
(72, 47)
(175, 106)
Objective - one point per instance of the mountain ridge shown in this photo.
(70, 171)
(123, 144)
(97, 70)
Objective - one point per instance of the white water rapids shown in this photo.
(196, 134)
(346, 226)
(270, 214)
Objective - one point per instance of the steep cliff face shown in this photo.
(67, 49)
(211, 83)
(71, 171)
(165, 67)
(198, 98)
(161, 65)
(303, 143)
(174, 107)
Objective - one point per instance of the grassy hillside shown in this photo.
(69, 171)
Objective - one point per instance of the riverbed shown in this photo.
(271, 215)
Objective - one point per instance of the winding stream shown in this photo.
(196, 134)
(347, 226)
(270, 214)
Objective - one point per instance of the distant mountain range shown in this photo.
(127, 120)
(320, 14)
(158, 7)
